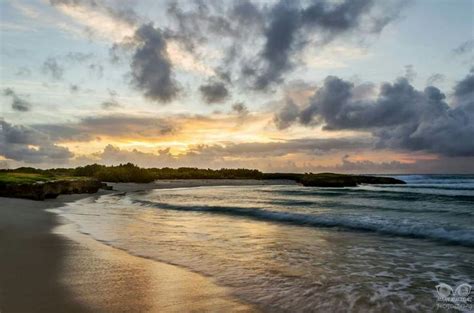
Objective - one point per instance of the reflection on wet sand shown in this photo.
(107, 279)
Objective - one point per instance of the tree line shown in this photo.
(132, 173)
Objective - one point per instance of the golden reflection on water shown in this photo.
(106, 279)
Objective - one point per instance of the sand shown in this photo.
(46, 265)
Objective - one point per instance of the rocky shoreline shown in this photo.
(51, 189)
(41, 190)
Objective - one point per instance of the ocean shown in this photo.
(289, 248)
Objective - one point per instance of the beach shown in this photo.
(239, 246)
(46, 265)
(290, 248)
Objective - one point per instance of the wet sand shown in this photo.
(46, 265)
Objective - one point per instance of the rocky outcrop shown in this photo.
(50, 189)
(341, 180)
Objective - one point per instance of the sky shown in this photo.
(351, 86)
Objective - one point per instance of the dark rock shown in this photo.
(49, 189)
(106, 187)
(341, 180)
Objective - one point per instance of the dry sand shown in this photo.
(47, 266)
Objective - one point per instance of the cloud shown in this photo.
(435, 78)
(89, 128)
(258, 43)
(241, 110)
(453, 165)
(291, 27)
(117, 22)
(465, 87)
(214, 92)
(194, 24)
(262, 41)
(400, 117)
(464, 48)
(110, 104)
(250, 155)
(410, 73)
(151, 68)
(96, 70)
(53, 68)
(282, 148)
(337, 55)
(286, 115)
(73, 88)
(114, 20)
(367, 166)
(18, 104)
(78, 57)
(23, 72)
(25, 144)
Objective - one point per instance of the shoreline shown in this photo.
(47, 265)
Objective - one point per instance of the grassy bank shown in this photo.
(40, 186)
(22, 178)
(18, 178)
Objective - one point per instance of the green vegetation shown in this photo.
(22, 178)
(18, 177)
(132, 173)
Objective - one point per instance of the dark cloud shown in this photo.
(151, 68)
(280, 36)
(110, 125)
(52, 67)
(204, 19)
(287, 115)
(261, 42)
(96, 70)
(25, 144)
(465, 47)
(110, 104)
(247, 14)
(78, 57)
(309, 146)
(465, 87)
(242, 112)
(265, 39)
(400, 117)
(214, 92)
(73, 88)
(117, 52)
(334, 104)
(240, 108)
(18, 103)
(435, 78)
(291, 26)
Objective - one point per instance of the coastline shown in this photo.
(48, 266)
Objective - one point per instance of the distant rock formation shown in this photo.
(341, 180)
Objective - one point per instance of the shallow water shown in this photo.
(301, 249)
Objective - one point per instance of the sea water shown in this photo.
(289, 248)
